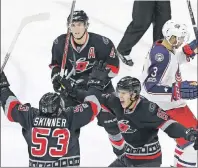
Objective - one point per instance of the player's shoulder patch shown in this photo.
(105, 40)
(159, 54)
(159, 57)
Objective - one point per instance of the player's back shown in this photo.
(161, 70)
(52, 142)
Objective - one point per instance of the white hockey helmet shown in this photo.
(172, 28)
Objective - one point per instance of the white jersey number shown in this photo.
(155, 69)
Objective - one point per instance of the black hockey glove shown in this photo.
(3, 81)
(81, 83)
(98, 78)
(192, 136)
(67, 86)
(55, 77)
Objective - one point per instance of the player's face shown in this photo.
(178, 41)
(181, 40)
(125, 98)
(77, 29)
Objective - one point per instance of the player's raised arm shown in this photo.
(82, 114)
(159, 119)
(13, 109)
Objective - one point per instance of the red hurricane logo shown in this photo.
(82, 65)
(125, 127)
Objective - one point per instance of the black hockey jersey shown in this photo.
(139, 128)
(96, 47)
(52, 141)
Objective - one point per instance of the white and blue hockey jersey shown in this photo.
(161, 70)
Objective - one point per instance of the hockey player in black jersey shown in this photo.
(87, 47)
(52, 131)
(139, 121)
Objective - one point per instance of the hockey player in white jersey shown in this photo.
(162, 83)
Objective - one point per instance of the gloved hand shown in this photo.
(185, 90)
(75, 90)
(191, 49)
(192, 136)
(81, 83)
(99, 76)
(3, 80)
(126, 59)
(67, 86)
(55, 77)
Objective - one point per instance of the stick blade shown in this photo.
(37, 17)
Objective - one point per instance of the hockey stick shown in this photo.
(24, 22)
(192, 19)
(67, 41)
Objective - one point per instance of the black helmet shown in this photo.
(49, 103)
(130, 84)
(79, 15)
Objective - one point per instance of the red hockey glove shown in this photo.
(189, 49)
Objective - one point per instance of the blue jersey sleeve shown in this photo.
(160, 59)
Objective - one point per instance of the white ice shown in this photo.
(29, 74)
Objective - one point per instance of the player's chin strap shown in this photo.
(130, 104)
(132, 101)
(86, 26)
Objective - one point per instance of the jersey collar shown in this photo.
(83, 46)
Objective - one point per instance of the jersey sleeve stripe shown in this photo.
(11, 102)
(114, 70)
(104, 108)
(116, 137)
(144, 157)
(95, 105)
(166, 124)
(118, 144)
